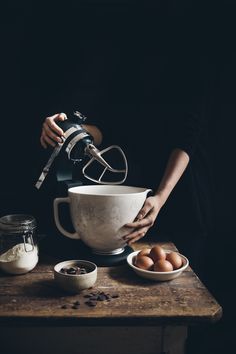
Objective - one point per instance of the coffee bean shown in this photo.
(94, 297)
(71, 270)
(83, 271)
(91, 303)
(64, 307)
(102, 297)
(75, 307)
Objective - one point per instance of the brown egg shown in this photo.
(157, 253)
(144, 252)
(162, 265)
(175, 259)
(144, 262)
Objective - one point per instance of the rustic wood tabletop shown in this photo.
(35, 299)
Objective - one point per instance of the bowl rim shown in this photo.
(182, 268)
(138, 190)
(60, 264)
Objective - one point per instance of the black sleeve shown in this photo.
(188, 104)
(188, 130)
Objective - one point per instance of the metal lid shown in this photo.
(16, 223)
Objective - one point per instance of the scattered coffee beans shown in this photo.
(92, 299)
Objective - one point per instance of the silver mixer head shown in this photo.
(77, 145)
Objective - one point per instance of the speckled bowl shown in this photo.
(74, 283)
(157, 276)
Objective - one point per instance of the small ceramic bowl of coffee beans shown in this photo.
(75, 275)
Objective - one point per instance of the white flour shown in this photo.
(19, 259)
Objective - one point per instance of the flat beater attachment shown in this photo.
(101, 160)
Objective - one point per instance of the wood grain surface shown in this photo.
(35, 299)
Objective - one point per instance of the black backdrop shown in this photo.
(32, 33)
(31, 29)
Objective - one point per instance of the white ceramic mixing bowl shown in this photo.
(99, 214)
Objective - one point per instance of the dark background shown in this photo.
(29, 32)
(31, 57)
(31, 35)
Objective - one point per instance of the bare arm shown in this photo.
(176, 165)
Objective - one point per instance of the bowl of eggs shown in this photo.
(157, 264)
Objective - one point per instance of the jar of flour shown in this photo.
(18, 245)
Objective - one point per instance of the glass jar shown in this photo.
(18, 244)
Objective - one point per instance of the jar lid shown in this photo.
(16, 223)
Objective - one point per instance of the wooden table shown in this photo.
(147, 317)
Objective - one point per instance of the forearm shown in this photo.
(176, 165)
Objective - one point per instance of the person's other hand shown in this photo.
(144, 220)
(51, 132)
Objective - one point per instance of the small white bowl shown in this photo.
(74, 283)
(157, 276)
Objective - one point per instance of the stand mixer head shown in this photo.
(77, 146)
